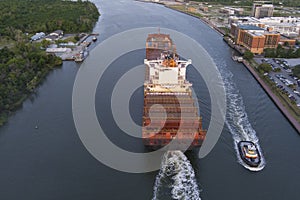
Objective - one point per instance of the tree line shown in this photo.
(32, 16)
(21, 70)
(281, 52)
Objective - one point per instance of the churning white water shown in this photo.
(176, 179)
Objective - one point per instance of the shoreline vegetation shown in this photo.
(287, 108)
(25, 64)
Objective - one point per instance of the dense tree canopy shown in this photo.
(296, 71)
(46, 15)
(264, 68)
(248, 55)
(21, 69)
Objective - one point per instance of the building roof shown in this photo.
(282, 38)
(38, 36)
(51, 37)
(59, 31)
(250, 27)
(256, 34)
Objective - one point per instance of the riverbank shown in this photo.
(274, 97)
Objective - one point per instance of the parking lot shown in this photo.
(282, 76)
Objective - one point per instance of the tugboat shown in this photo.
(249, 153)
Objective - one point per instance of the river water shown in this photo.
(51, 163)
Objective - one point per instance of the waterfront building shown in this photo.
(254, 38)
(285, 40)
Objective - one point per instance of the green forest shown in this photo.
(32, 16)
(23, 65)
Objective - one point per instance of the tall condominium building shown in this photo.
(260, 11)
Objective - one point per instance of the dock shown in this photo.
(77, 53)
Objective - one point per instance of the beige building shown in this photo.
(260, 11)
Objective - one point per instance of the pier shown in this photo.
(80, 51)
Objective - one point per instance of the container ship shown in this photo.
(170, 111)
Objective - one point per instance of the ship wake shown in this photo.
(176, 178)
(237, 120)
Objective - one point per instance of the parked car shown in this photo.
(288, 70)
(292, 97)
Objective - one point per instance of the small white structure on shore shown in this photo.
(58, 50)
(55, 35)
(38, 36)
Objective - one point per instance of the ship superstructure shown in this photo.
(169, 108)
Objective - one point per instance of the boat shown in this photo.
(249, 153)
(240, 59)
(86, 43)
(237, 58)
(94, 38)
(79, 57)
(165, 85)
